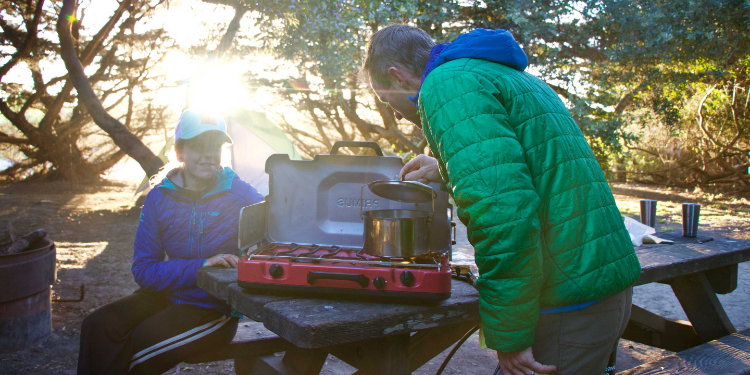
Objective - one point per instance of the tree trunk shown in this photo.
(70, 163)
(122, 137)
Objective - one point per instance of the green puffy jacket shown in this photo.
(538, 210)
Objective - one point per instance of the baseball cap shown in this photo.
(193, 124)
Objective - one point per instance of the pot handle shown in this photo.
(453, 226)
(372, 145)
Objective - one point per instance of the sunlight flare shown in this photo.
(216, 88)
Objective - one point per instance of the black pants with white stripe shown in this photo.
(144, 333)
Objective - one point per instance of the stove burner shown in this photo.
(336, 254)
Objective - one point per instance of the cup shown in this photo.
(690, 214)
(648, 212)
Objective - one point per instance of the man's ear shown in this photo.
(403, 77)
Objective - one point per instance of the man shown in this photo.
(556, 263)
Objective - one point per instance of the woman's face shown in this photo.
(202, 157)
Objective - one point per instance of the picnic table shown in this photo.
(696, 269)
(390, 338)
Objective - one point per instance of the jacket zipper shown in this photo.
(200, 235)
(190, 238)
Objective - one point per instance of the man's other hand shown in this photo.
(222, 260)
(422, 168)
(522, 363)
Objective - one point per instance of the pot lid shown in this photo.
(403, 191)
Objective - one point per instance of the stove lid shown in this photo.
(403, 191)
(320, 201)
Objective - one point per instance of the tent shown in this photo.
(254, 139)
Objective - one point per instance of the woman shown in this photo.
(188, 221)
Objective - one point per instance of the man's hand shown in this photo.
(222, 260)
(522, 363)
(422, 168)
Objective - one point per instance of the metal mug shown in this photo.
(690, 215)
(397, 233)
(648, 212)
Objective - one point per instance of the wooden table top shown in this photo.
(318, 322)
(665, 261)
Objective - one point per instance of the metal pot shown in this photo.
(398, 233)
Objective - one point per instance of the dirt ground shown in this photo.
(93, 228)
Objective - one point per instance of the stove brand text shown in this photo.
(354, 203)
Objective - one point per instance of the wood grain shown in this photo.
(326, 322)
(664, 261)
(729, 355)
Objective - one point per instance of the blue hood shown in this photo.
(493, 45)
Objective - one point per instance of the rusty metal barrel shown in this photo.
(25, 280)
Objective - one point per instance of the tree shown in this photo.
(667, 81)
(325, 41)
(122, 137)
(48, 129)
(682, 75)
(618, 64)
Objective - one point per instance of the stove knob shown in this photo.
(379, 282)
(407, 278)
(275, 271)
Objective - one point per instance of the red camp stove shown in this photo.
(324, 202)
(338, 270)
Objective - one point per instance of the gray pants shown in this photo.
(580, 342)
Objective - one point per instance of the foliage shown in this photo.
(688, 66)
(325, 40)
(659, 88)
(652, 63)
(47, 130)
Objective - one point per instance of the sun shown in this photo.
(216, 87)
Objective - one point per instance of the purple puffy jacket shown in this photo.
(176, 234)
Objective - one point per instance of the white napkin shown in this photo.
(642, 233)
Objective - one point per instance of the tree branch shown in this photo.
(28, 43)
(14, 140)
(628, 98)
(234, 25)
(116, 130)
(18, 120)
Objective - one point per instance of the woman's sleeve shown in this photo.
(150, 269)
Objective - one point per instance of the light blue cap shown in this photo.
(192, 124)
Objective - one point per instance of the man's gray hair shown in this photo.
(397, 45)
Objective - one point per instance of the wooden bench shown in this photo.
(729, 355)
(250, 341)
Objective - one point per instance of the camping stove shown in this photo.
(335, 270)
(308, 235)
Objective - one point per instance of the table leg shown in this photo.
(426, 344)
(701, 306)
(385, 356)
(654, 330)
(723, 280)
(296, 361)
(369, 356)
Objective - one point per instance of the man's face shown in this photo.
(397, 97)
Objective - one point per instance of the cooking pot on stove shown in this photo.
(398, 233)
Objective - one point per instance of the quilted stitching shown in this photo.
(538, 211)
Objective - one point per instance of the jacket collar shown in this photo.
(224, 182)
(497, 46)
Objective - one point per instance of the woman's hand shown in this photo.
(522, 363)
(222, 260)
(422, 168)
